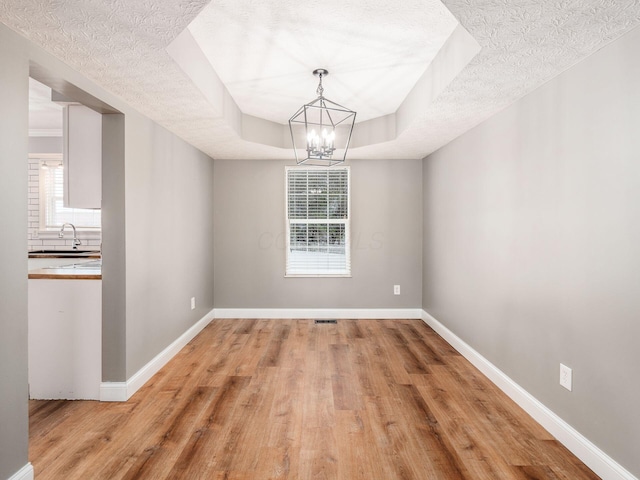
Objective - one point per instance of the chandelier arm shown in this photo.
(293, 142)
(336, 104)
(333, 125)
(343, 110)
(297, 114)
(346, 147)
(346, 118)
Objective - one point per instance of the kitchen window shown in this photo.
(318, 221)
(53, 213)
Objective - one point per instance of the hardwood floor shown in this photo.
(288, 399)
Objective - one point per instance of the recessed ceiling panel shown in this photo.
(264, 51)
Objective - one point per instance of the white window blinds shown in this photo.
(318, 210)
(53, 213)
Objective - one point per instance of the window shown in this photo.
(53, 213)
(318, 230)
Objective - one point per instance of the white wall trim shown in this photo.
(122, 391)
(25, 473)
(338, 313)
(113, 392)
(597, 460)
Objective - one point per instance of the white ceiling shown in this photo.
(264, 52)
(122, 46)
(45, 117)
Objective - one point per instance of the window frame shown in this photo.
(347, 273)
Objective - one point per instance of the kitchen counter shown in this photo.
(64, 254)
(65, 274)
(68, 270)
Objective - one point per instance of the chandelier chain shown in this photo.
(320, 90)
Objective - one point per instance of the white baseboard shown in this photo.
(113, 392)
(122, 391)
(597, 460)
(25, 473)
(324, 313)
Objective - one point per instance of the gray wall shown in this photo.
(532, 230)
(169, 238)
(157, 241)
(114, 249)
(157, 238)
(249, 238)
(13, 260)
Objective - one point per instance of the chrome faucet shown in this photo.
(76, 240)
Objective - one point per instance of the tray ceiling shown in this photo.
(122, 46)
(375, 51)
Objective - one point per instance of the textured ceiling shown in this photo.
(121, 45)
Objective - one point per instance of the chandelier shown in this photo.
(326, 126)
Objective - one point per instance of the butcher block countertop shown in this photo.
(66, 274)
(65, 269)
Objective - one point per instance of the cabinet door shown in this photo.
(82, 157)
(65, 339)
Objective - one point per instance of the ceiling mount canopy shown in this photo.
(326, 126)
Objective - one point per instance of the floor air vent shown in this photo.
(325, 321)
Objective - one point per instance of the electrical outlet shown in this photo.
(566, 375)
(396, 289)
(193, 303)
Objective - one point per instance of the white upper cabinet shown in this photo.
(82, 149)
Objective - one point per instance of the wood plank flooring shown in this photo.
(288, 399)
